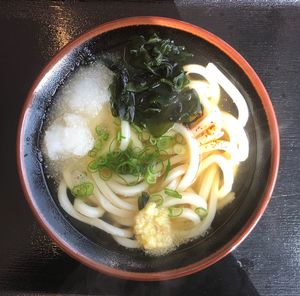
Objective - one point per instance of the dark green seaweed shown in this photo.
(150, 86)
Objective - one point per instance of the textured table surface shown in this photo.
(266, 33)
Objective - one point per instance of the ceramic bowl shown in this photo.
(253, 187)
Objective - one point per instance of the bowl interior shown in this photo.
(97, 245)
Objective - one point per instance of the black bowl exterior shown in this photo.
(94, 247)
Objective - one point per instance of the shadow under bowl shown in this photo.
(253, 186)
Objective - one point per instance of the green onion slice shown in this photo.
(93, 153)
(155, 167)
(83, 190)
(172, 193)
(157, 198)
(168, 168)
(179, 139)
(201, 212)
(93, 166)
(150, 178)
(164, 142)
(102, 133)
(152, 140)
(175, 212)
(145, 136)
(119, 136)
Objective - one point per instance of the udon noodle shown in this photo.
(190, 180)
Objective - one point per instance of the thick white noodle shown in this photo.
(187, 198)
(126, 190)
(216, 134)
(69, 209)
(198, 87)
(109, 207)
(194, 151)
(131, 199)
(135, 139)
(175, 160)
(125, 135)
(229, 198)
(87, 210)
(227, 169)
(203, 89)
(191, 190)
(173, 184)
(174, 174)
(233, 92)
(229, 147)
(207, 181)
(213, 118)
(126, 179)
(92, 199)
(212, 207)
(109, 194)
(236, 134)
(190, 214)
(126, 221)
(126, 242)
(179, 149)
(206, 73)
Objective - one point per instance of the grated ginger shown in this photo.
(153, 228)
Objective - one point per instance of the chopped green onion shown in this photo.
(175, 212)
(168, 168)
(133, 183)
(111, 146)
(150, 169)
(179, 149)
(155, 168)
(179, 139)
(145, 136)
(93, 153)
(157, 198)
(150, 179)
(93, 166)
(137, 150)
(83, 190)
(147, 162)
(201, 212)
(153, 140)
(164, 142)
(143, 199)
(172, 193)
(119, 136)
(159, 166)
(102, 133)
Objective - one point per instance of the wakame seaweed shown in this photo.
(150, 86)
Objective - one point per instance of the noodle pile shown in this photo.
(198, 181)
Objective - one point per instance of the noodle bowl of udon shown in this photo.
(148, 148)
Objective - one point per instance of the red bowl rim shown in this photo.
(274, 135)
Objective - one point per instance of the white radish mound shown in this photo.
(87, 91)
(67, 137)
